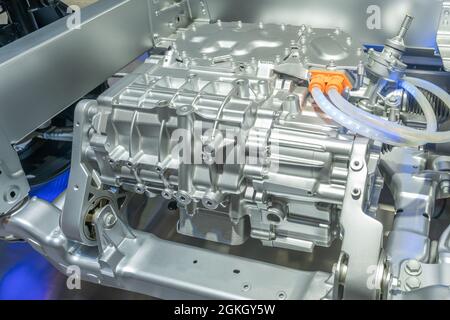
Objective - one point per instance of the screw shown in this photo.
(393, 99)
(357, 165)
(412, 283)
(109, 220)
(356, 193)
(413, 267)
(139, 188)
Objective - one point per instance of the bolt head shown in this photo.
(413, 267)
(412, 283)
(109, 220)
(393, 99)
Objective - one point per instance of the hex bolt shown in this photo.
(412, 283)
(413, 267)
(109, 220)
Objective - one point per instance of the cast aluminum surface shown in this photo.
(249, 44)
(353, 16)
(288, 195)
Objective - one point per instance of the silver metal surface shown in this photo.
(414, 197)
(352, 16)
(175, 271)
(443, 35)
(52, 68)
(289, 195)
(13, 182)
(362, 256)
(248, 45)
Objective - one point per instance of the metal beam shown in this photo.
(143, 263)
(50, 69)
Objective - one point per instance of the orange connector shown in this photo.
(326, 80)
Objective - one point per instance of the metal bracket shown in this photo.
(363, 235)
(14, 186)
(115, 239)
(443, 35)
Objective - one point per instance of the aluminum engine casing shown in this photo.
(220, 87)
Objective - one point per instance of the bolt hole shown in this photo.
(195, 261)
(281, 296)
(273, 218)
(12, 194)
(77, 124)
(172, 205)
(236, 271)
(76, 188)
(400, 211)
(291, 98)
(425, 215)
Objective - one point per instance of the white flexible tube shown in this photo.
(365, 116)
(363, 129)
(374, 127)
(409, 136)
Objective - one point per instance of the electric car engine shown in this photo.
(222, 123)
